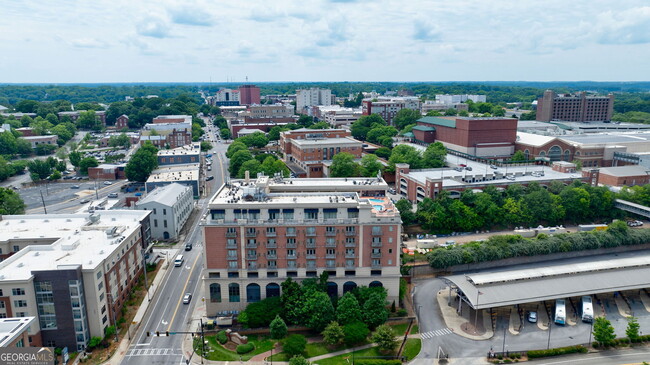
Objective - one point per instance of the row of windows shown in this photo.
(287, 214)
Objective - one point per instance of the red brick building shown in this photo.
(122, 122)
(260, 232)
(107, 172)
(624, 176)
(484, 137)
(574, 107)
(249, 94)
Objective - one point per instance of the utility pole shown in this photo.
(43, 200)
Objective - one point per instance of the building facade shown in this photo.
(455, 99)
(39, 140)
(227, 97)
(171, 206)
(185, 174)
(163, 135)
(249, 95)
(272, 229)
(188, 154)
(74, 115)
(387, 107)
(574, 107)
(311, 97)
(122, 122)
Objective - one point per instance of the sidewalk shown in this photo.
(118, 356)
(462, 326)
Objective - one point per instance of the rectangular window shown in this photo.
(310, 231)
(155, 223)
(311, 264)
(291, 231)
(353, 213)
(311, 214)
(272, 264)
(232, 264)
(311, 252)
(16, 248)
(233, 293)
(22, 314)
(100, 286)
(18, 291)
(165, 223)
(154, 211)
(218, 214)
(232, 253)
(310, 242)
(274, 214)
(20, 303)
(330, 213)
(287, 213)
(291, 254)
(330, 241)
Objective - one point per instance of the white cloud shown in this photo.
(153, 27)
(626, 27)
(191, 16)
(88, 43)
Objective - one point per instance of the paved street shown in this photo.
(167, 312)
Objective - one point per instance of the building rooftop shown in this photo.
(424, 128)
(183, 172)
(450, 123)
(608, 138)
(65, 240)
(532, 139)
(168, 127)
(326, 141)
(40, 137)
(165, 195)
(555, 279)
(12, 328)
(622, 171)
(186, 118)
(190, 149)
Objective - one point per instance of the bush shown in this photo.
(278, 328)
(402, 312)
(221, 337)
(355, 333)
(333, 334)
(246, 348)
(294, 345)
(377, 362)
(384, 337)
(298, 360)
(557, 351)
(109, 331)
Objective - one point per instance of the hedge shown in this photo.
(377, 362)
(221, 337)
(557, 351)
(246, 348)
(507, 246)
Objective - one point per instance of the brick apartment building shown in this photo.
(574, 107)
(249, 95)
(260, 232)
(107, 172)
(173, 135)
(122, 122)
(387, 107)
(484, 137)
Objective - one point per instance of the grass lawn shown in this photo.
(341, 359)
(219, 353)
(415, 329)
(314, 349)
(412, 348)
(400, 329)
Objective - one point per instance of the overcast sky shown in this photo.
(323, 40)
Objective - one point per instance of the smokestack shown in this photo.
(247, 176)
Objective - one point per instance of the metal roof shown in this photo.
(450, 123)
(424, 128)
(555, 280)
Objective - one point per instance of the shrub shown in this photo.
(557, 351)
(221, 337)
(244, 349)
(294, 345)
(402, 312)
(278, 328)
(333, 334)
(109, 331)
(384, 337)
(298, 360)
(355, 333)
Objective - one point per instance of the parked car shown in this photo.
(107, 183)
(468, 168)
(209, 178)
(74, 187)
(112, 195)
(532, 317)
(391, 190)
(187, 298)
(493, 167)
(84, 201)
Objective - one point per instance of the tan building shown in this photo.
(13, 331)
(574, 107)
(260, 232)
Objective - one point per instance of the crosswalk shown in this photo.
(151, 352)
(436, 333)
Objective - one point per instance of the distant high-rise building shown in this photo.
(249, 94)
(574, 107)
(454, 99)
(311, 97)
(227, 97)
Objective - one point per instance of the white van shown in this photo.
(179, 261)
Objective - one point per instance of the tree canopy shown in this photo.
(142, 163)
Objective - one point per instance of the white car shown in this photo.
(107, 183)
(532, 317)
(187, 298)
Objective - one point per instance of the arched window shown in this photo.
(349, 286)
(332, 289)
(253, 293)
(555, 153)
(215, 293)
(375, 284)
(233, 292)
(542, 153)
(567, 155)
(272, 290)
(527, 154)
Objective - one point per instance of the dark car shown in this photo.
(209, 178)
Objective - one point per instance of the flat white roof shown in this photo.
(175, 173)
(12, 328)
(190, 149)
(533, 139)
(166, 195)
(324, 141)
(78, 240)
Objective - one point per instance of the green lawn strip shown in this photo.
(400, 328)
(314, 349)
(341, 359)
(412, 348)
(221, 354)
(415, 329)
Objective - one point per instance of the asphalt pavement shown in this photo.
(167, 312)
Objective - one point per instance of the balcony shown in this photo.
(232, 258)
(375, 255)
(330, 265)
(310, 257)
(330, 244)
(376, 265)
(251, 245)
(231, 245)
(310, 245)
(251, 257)
(271, 234)
(251, 233)
(272, 267)
(291, 245)
(290, 234)
(291, 257)
(271, 244)
(350, 266)
(330, 233)
(377, 232)
(376, 244)
(252, 266)
(350, 244)
(350, 255)
(271, 256)
(231, 234)
(330, 256)
(350, 233)
(310, 233)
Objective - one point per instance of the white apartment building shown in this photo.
(171, 206)
(311, 97)
(227, 95)
(455, 99)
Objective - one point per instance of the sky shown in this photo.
(65, 41)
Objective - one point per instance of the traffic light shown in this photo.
(148, 333)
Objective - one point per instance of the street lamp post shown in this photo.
(478, 294)
(548, 346)
(146, 285)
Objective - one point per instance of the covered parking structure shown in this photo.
(548, 281)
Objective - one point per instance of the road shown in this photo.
(60, 197)
(167, 312)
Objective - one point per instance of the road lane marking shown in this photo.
(180, 299)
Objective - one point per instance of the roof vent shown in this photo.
(21, 264)
(37, 253)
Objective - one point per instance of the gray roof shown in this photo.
(555, 280)
(165, 195)
(622, 171)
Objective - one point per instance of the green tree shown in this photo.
(27, 106)
(384, 337)
(405, 117)
(406, 211)
(278, 328)
(305, 120)
(632, 330)
(348, 309)
(234, 147)
(56, 175)
(294, 345)
(576, 201)
(374, 310)
(518, 156)
(370, 165)
(355, 333)
(141, 163)
(383, 152)
(603, 331)
(197, 132)
(333, 334)
(121, 140)
(225, 133)
(257, 139)
(343, 165)
(262, 313)
(406, 154)
(88, 120)
(319, 125)
(435, 154)
(87, 162)
(39, 169)
(23, 147)
(8, 144)
(451, 112)
(41, 126)
(237, 160)
(362, 126)
(206, 146)
(298, 360)
(252, 166)
(63, 132)
(10, 202)
(377, 133)
(271, 165)
(274, 132)
(75, 157)
(318, 310)
(292, 301)
(45, 149)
